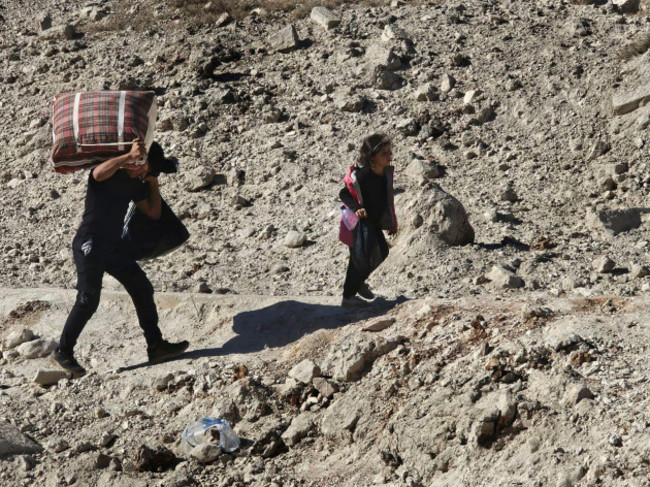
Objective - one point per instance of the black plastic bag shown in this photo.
(366, 251)
(146, 238)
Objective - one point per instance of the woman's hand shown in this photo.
(361, 213)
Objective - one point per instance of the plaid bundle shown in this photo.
(91, 127)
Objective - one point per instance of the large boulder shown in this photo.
(443, 218)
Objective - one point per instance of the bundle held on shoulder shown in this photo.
(92, 127)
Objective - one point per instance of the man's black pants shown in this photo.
(92, 259)
(354, 277)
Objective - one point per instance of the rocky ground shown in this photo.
(516, 359)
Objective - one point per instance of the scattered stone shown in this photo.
(340, 417)
(578, 393)
(200, 178)
(385, 79)
(160, 383)
(37, 348)
(639, 271)
(447, 83)
(48, 377)
(352, 103)
(295, 239)
(599, 148)
(223, 20)
(470, 96)
(392, 33)
(603, 264)
(325, 387)
(408, 126)
(285, 40)
(380, 324)
(305, 371)
(102, 461)
(503, 278)
(18, 337)
(57, 445)
(44, 21)
(206, 452)
(106, 439)
(426, 92)
(300, 427)
(615, 440)
(379, 55)
(324, 17)
(615, 221)
(422, 170)
(147, 459)
(628, 101)
(13, 442)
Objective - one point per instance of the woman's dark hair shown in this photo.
(370, 146)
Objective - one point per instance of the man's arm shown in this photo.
(107, 168)
(151, 206)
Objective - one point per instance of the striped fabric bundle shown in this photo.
(91, 127)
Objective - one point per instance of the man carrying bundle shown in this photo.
(98, 248)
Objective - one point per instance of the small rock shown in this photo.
(603, 264)
(325, 387)
(57, 445)
(106, 439)
(44, 21)
(639, 271)
(299, 428)
(69, 32)
(295, 239)
(380, 324)
(305, 371)
(102, 461)
(48, 377)
(37, 348)
(426, 92)
(447, 83)
(615, 440)
(324, 17)
(223, 20)
(18, 337)
(160, 383)
(419, 170)
(200, 178)
(578, 393)
(206, 452)
(614, 221)
(502, 278)
(285, 40)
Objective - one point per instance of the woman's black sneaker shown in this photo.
(67, 362)
(164, 350)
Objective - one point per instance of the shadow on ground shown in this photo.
(283, 323)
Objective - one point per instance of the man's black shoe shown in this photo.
(164, 350)
(67, 362)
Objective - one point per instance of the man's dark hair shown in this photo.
(158, 162)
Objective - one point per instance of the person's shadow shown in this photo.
(282, 323)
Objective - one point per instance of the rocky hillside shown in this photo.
(522, 183)
(509, 107)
